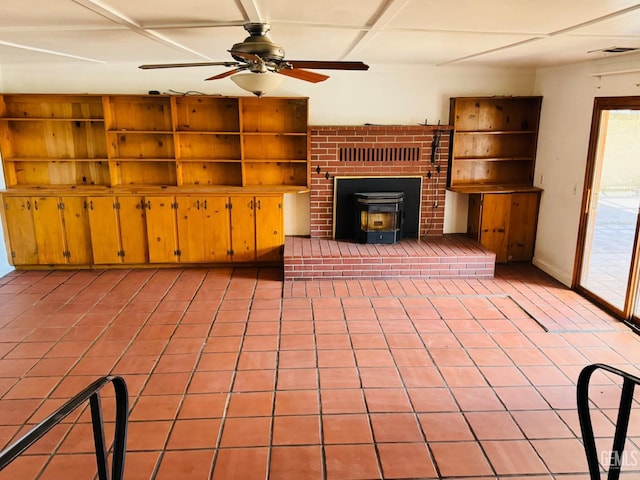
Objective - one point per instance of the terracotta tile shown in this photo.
(61, 465)
(346, 429)
(176, 363)
(260, 343)
(406, 460)
(432, 400)
(147, 435)
(562, 456)
(156, 407)
(421, 377)
(395, 427)
(411, 357)
(250, 404)
(249, 360)
(463, 377)
(368, 341)
(295, 328)
(25, 466)
(513, 457)
(351, 462)
(297, 379)
(342, 401)
(246, 432)
(300, 463)
(140, 465)
(297, 359)
(194, 434)
(504, 376)
(32, 387)
(444, 427)
(210, 382)
(336, 358)
(333, 341)
(374, 358)
(240, 463)
(339, 378)
(450, 357)
(545, 375)
(217, 361)
(167, 384)
(477, 399)
(387, 400)
(254, 381)
(447, 457)
(521, 398)
(374, 377)
(205, 405)
(493, 426)
(297, 402)
(297, 342)
(80, 438)
(539, 424)
(296, 430)
(186, 464)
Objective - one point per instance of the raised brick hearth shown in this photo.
(447, 256)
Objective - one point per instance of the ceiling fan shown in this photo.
(259, 54)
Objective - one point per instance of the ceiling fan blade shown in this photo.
(228, 73)
(179, 65)
(329, 65)
(305, 75)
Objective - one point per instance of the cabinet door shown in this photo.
(105, 238)
(161, 230)
(133, 229)
(47, 221)
(522, 225)
(217, 229)
(20, 231)
(76, 230)
(243, 235)
(269, 229)
(190, 232)
(494, 223)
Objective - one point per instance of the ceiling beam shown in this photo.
(385, 13)
(119, 18)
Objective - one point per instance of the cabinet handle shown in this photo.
(205, 204)
(258, 203)
(28, 205)
(198, 204)
(251, 204)
(35, 204)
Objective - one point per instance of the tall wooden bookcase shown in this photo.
(493, 160)
(134, 179)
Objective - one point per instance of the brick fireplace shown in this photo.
(389, 152)
(384, 151)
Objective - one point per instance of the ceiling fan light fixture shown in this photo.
(258, 83)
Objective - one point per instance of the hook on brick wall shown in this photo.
(318, 169)
(326, 175)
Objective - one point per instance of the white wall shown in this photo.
(562, 152)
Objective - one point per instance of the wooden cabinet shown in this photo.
(118, 229)
(149, 178)
(494, 140)
(20, 231)
(47, 230)
(493, 160)
(204, 229)
(505, 223)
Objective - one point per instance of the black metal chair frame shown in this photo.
(622, 423)
(91, 393)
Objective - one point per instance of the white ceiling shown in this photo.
(522, 33)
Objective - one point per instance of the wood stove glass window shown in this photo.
(379, 217)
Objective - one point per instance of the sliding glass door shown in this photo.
(607, 261)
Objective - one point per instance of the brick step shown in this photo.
(447, 256)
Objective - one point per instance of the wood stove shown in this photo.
(379, 216)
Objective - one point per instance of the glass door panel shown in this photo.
(607, 269)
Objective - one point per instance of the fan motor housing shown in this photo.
(258, 43)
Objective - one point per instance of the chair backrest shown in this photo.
(616, 458)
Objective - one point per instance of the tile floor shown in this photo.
(235, 374)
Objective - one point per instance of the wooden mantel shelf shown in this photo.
(468, 189)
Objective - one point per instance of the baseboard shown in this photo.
(556, 273)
